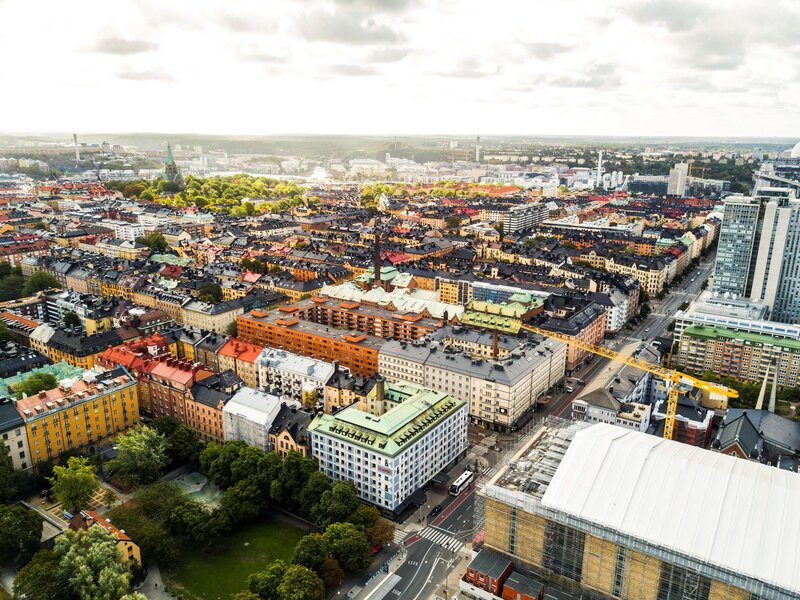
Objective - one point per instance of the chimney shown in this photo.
(379, 388)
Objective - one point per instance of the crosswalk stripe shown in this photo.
(442, 539)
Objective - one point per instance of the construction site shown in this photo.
(608, 512)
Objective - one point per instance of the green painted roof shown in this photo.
(744, 336)
(170, 160)
(481, 319)
(171, 259)
(418, 410)
(61, 370)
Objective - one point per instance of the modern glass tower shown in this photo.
(759, 251)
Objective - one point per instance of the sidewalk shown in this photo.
(153, 586)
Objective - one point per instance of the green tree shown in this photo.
(265, 583)
(40, 281)
(246, 595)
(185, 517)
(142, 455)
(501, 229)
(71, 319)
(210, 292)
(337, 504)
(147, 195)
(378, 529)
(210, 531)
(294, 473)
(155, 241)
(37, 580)
(316, 485)
(20, 534)
(232, 329)
(348, 545)
(35, 383)
(183, 445)
(242, 501)
(74, 484)
(311, 551)
(90, 564)
(453, 221)
(301, 583)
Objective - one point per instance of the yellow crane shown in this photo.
(675, 378)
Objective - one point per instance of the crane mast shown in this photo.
(676, 378)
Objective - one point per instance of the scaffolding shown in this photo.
(601, 562)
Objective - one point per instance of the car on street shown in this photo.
(436, 510)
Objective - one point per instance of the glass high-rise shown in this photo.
(759, 251)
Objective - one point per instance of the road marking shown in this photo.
(440, 538)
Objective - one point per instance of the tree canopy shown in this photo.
(74, 484)
(38, 382)
(20, 534)
(142, 455)
(40, 281)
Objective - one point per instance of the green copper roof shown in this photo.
(747, 337)
(171, 259)
(487, 321)
(417, 410)
(60, 370)
(170, 160)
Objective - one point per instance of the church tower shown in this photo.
(171, 173)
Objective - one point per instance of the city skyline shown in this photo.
(410, 67)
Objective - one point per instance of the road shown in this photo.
(652, 327)
(432, 554)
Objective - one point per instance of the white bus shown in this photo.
(462, 483)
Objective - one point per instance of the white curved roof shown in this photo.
(724, 511)
(795, 152)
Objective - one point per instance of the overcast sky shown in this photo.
(627, 67)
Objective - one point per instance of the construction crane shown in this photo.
(674, 377)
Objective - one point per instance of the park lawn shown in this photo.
(223, 573)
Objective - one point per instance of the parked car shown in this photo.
(436, 510)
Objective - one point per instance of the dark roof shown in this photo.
(525, 585)
(739, 431)
(9, 417)
(292, 420)
(777, 431)
(488, 563)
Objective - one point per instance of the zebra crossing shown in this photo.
(441, 538)
(399, 536)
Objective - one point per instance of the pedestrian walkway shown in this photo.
(400, 536)
(440, 538)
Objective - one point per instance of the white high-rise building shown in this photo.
(759, 251)
(676, 186)
(411, 434)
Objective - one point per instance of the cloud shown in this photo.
(597, 75)
(378, 5)
(675, 15)
(241, 22)
(123, 47)
(388, 55)
(545, 50)
(352, 70)
(471, 67)
(145, 75)
(346, 27)
(255, 54)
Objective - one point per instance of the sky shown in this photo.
(527, 67)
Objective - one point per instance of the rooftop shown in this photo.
(747, 337)
(418, 410)
(612, 478)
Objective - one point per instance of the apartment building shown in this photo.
(501, 393)
(354, 350)
(240, 357)
(80, 414)
(248, 415)
(741, 354)
(297, 377)
(389, 456)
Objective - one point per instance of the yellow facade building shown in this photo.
(80, 414)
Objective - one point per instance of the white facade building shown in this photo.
(293, 374)
(248, 415)
(124, 230)
(499, 392)
(389, 456)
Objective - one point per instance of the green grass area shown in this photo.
(201, 576)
